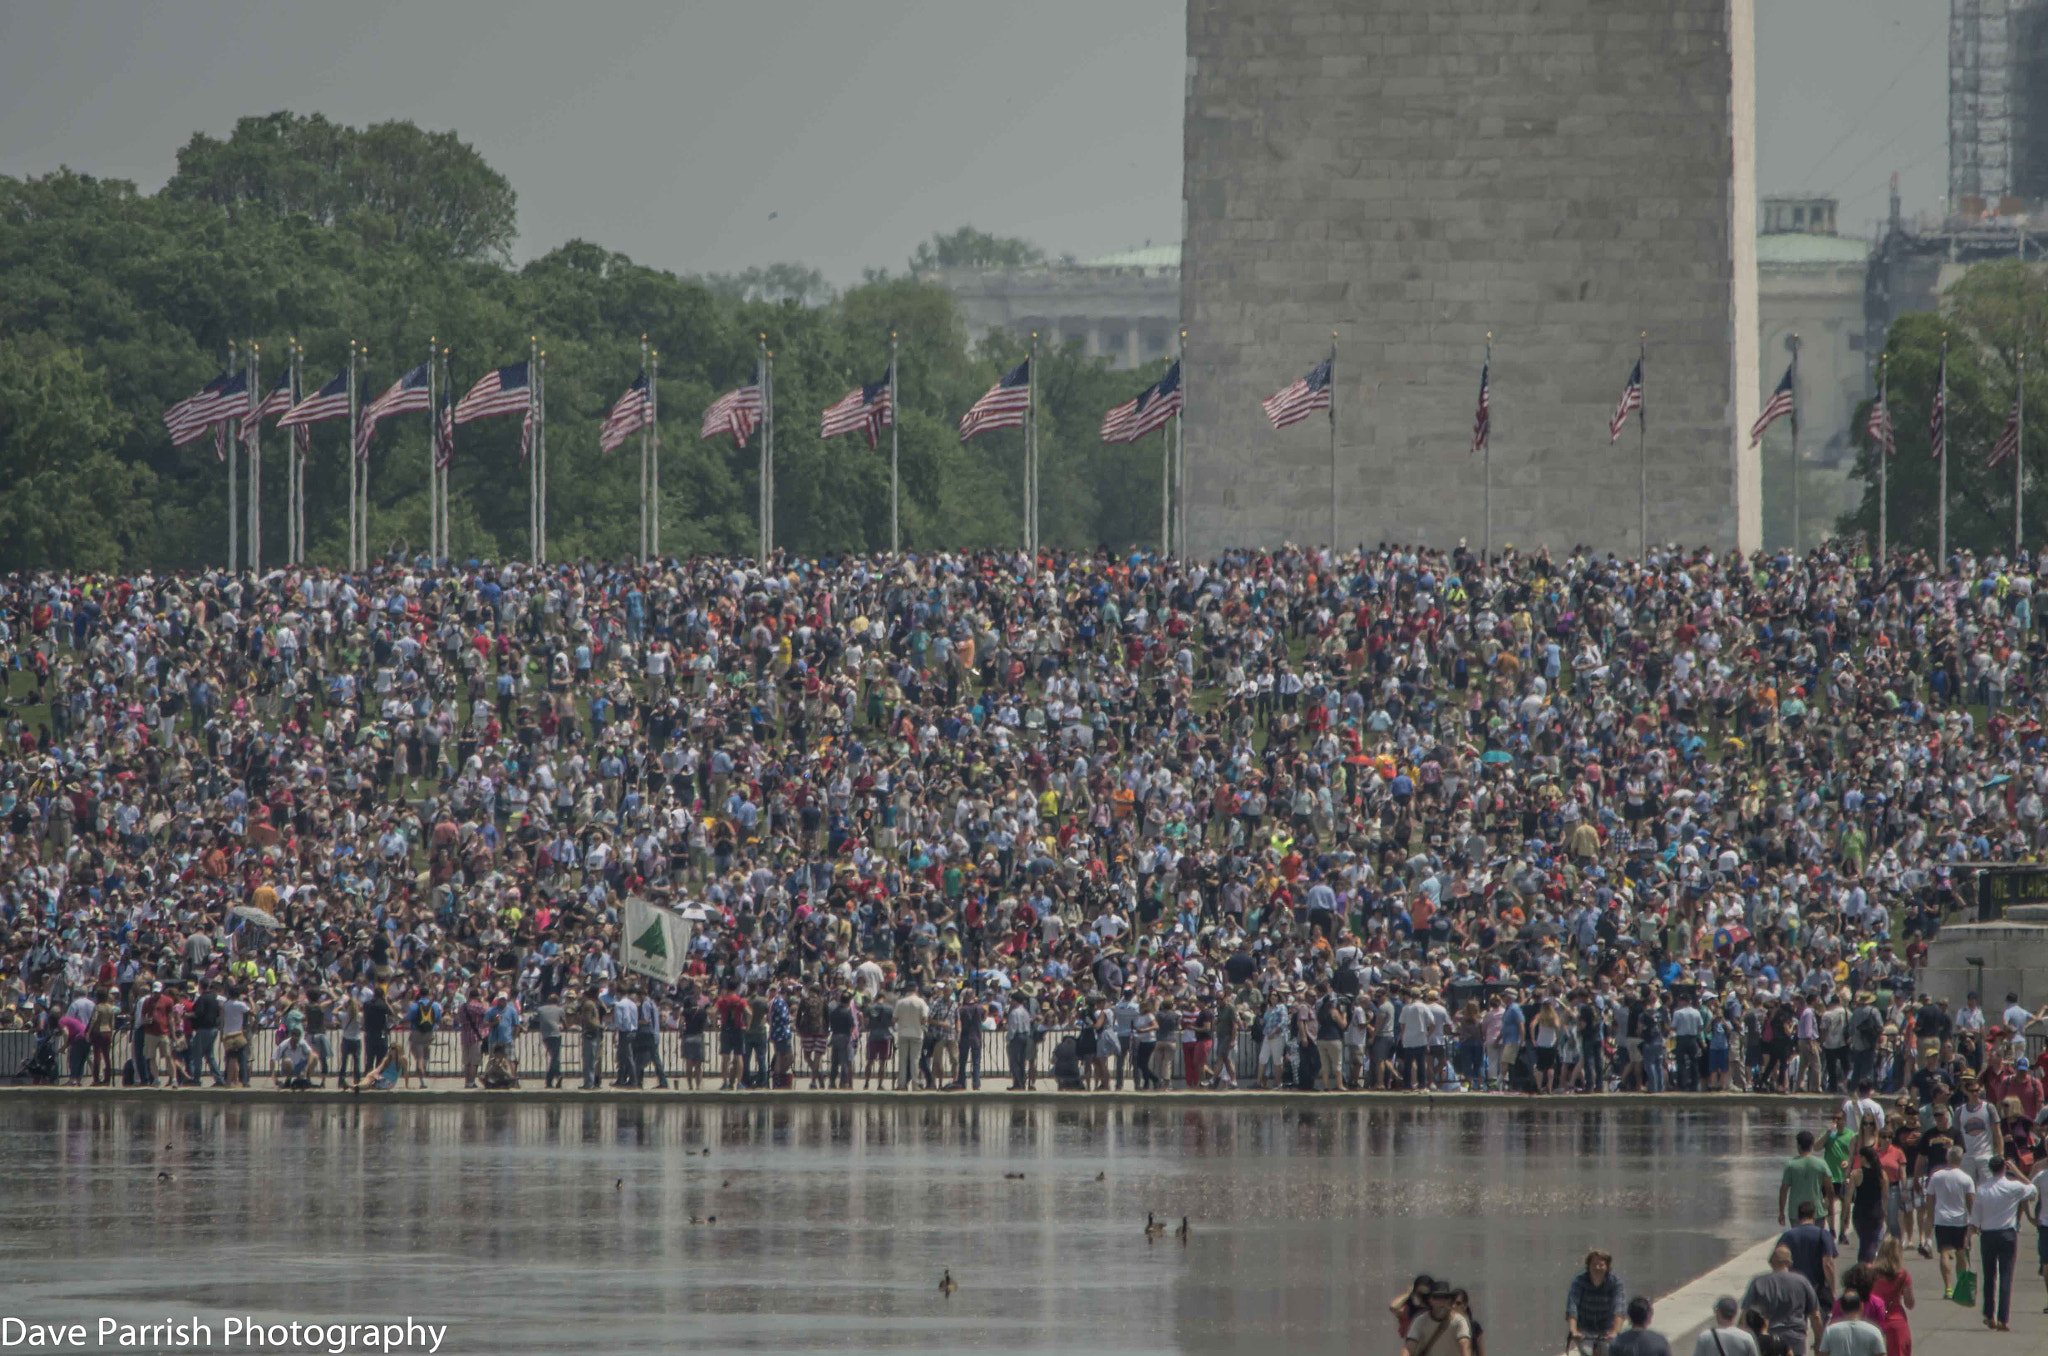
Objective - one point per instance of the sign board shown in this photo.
(2000, 887)
(652, 941)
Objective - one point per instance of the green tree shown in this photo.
(69, 501)
(426, 188)
(265, 236)
(969, 248)
(1995, 312)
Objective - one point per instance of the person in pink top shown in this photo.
(1893, 1284)
(1860, 1278)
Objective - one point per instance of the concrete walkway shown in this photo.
(1944, 1328)
(1940, 1327)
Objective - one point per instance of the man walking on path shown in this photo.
(1805, 1180)
(1726, 1337)
(1954, 1193)
(1813, 1253)
(1851, 1335)
(1593, 1306)
(1639, 1340)
(1996, 1221)
(1787, 1301)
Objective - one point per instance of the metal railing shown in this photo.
(446, 1055)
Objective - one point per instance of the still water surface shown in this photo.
(543, 1228)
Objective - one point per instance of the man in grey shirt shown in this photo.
(1788, 1300)
(1725, 1338)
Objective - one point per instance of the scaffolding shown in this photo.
(1979, 105)
(1997, 106)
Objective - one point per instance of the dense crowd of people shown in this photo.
(1396, 818)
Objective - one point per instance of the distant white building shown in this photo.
(1124, 307)
(1810, 282)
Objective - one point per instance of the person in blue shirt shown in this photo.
(1512, 1034)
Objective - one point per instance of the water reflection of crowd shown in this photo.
(1397, 819)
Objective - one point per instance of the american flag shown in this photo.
(628, 416)
(231, 401)
(1002, 406)
(1776, 408)
(735, 412)
(1880, 426)
(1303, 398)
(2008, 443)
(864, 407)
(1937, 420)
(329, 402)
(502, 390)
(1482, 422)
(1631, 401)
(1155, 405)
(277, 402)
(408, 393)
(188, 418)
(225, 397)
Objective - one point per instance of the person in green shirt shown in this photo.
(1835, 1148)
(1806, 1179)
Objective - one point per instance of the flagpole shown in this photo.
(643, 459)
(234, 497)
(433, 435)
(364, 519)
(1884, 459)
(540, 439)
(2019, 453)
(252, 423)
(298, 460)
(355, 402)
(895, 457)
(1643, 445)
(654, 452)
(1031, 457)
(1166, 491)
(1941, 494)
(447, 466)
(761, 454)
(533, 459)
(291, 469)
(1180, 449)
(1795, 448)
(1333, 447)
(1486, 375)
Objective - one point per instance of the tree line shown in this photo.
(114, 304)
(1991, 316)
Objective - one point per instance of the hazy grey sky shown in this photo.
(670, 131)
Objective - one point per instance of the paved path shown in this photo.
(1940, 1327)
(1944, 1328)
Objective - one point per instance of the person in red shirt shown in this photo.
(731, 1011)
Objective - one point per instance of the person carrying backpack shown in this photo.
(422, 1019)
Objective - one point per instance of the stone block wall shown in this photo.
(1414, 174)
